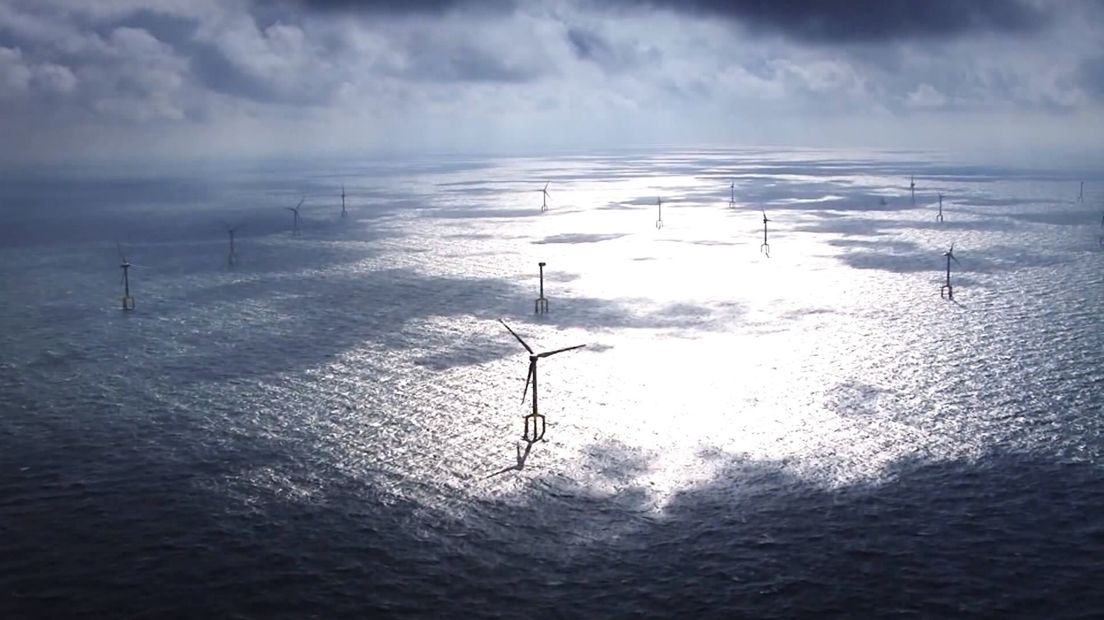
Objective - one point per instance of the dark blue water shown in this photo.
(273, 441)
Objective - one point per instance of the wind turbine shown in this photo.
(765, 247)
(295, 212)
(232, 257)
(540, 306)
(659, 205)
(939, 218)
(732, 194)
(544, 197)
(343, 211)
(1081, 193)
(535, 418)
(912, 188)
(128, 301)
(946, 292)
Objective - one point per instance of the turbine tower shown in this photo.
(659, 205)
(232, 256)
(124, 264)
(540, 306)
(765, 247)
(732, 195)
(343, 211)
(912, 188)
(535, 419)
(939, 218)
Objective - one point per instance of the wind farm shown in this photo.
(891, 408)
(372, 349)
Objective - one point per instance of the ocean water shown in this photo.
(332, 427)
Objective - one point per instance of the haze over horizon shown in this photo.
(205, 79)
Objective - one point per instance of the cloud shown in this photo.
(408, 7)
(244, 76)
(19, 78)
(612, 56)
(859, 21)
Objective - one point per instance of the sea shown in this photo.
(791, 424)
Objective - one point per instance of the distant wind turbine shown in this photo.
(535, 419)
(544, 197)
(295, 212)
(1081, 193)
(659, 205)
(939, 218)
(732, 194)
(912, 188)
(343, 211)
(947, 292)
(765, 247)
(125, 265)
(232, 256)
(540, 306)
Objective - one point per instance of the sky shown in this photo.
(209, 79)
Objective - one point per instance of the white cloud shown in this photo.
(926, 96)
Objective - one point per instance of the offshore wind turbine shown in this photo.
(1081, 193)
(295, 212)
(343, 211)
(535, 419)
(939, 218)
(540, 306)
(765, 247)
(912, 188)
(232, 256)
(659, 205)
(125, 265)
(946, 292)
(732, 194)
(544, 197)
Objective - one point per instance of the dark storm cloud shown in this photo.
(592, 46)
(407, 7)
(859, 21)
(465, 63)
(1091, 75)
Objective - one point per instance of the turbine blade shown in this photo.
(119, 247)
(550, 353)
(546, 186)
(528, 376)
(516, 336)
(300, 203)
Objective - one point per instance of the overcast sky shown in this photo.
(211, 78)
